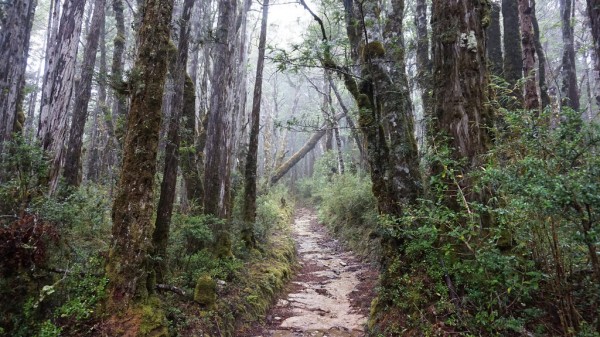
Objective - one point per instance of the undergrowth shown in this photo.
(515, 254)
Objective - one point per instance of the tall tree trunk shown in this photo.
(129, 264)
(334, 124)
(250, 175)
(593, 10)
(160, 237)
(423, 69)
(397, 109)
(119, 105)
(217, 171)
(83, 93)
(14, 51)
(528, 46)
(58, 86)
(461, 79)
(494, 41)
(93, 164)
(539, 49)
(513, 56)
(570, 92)
(190, 155)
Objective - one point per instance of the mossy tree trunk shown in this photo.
(129, 265)
(191, 153)
(593, 10)
(513, 57)
(494, 41)
(310, 144)
(398, 112)
(250, 175)
(460, 76)
(160, 237)
(569, 88)
(531, 99)
(14, 51)
(539, 49)
(72, 171)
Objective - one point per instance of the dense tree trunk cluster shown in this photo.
(419, 100)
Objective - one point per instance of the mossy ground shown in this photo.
(245, 300)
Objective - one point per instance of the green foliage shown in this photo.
(507, 249)
(345, 203)
(274, 211)
(23, 171)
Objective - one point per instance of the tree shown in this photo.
(58, 84)
(494, 41)
(160, 237)
(460, 77)
(593, 10)
(569, 89)
(541, 58)
(249, 210)
(528, 46)
(129, 265)
(217, 172)
(14, 51)
(117, 59)
(513, 56)
(83, 93)
(192, 146)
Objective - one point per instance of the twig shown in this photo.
(171, 288)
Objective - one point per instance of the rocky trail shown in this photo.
(331, 293)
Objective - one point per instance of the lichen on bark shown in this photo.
(129, 267)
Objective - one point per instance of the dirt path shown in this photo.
(330, 295)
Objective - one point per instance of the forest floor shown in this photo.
(331, 293)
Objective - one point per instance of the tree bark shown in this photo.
(531, 99)
(14, 51)
(160, 237)
(119, 105)
(93, 164)
(191, 153)
(513, 56)
(58, 86)
(539, 49)
(296, 157)
(593, 9)
(570, 92)
(83, 93)
(217, 172)
(460, 77)
(349, 120)
(250, 175)
(129, 265)
(398, 112)
(494, 41)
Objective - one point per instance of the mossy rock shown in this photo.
(205, 292)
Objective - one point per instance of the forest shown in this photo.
(300, 168)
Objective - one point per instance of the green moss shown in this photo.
(153, 323)
(373, 50)
(205, 292)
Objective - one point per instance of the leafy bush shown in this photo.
(23, 171)
(514, 254)
(346, 204)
